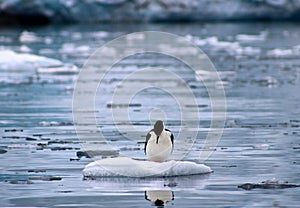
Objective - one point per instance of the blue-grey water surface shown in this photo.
(261, 76)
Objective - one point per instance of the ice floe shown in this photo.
(252, 38)
(29, 37)
(123, 166)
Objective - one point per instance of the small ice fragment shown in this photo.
(248, 38)
(29, 37)
(25, 49)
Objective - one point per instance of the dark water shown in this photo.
(260, 140)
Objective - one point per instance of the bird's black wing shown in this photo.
(147, 139)
(172, 138)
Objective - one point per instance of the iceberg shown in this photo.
(124, 166)
(61, 11)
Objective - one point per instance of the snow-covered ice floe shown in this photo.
(124, 166)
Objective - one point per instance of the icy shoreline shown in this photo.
(68, 11)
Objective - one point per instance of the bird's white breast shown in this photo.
(161, 150)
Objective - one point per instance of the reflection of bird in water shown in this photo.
(159, 143)
(159, 197)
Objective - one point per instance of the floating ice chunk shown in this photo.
(69, 89)
(267, 81)
(249, 38)
(25, 49)
(277, 2)
(123, 166)
(69, 3)
(280, 52)
(54, 123)
(71, 48)
(262, 146)
(29, 37)
(135, 36)
(49, 123)
(100, 34)
(48, 40)
(24, 68)
(65, 69)
(284, 53)
(46, 51)
(83, 48)
(12, 60)
(248, 51)
(67, 48)
(233, 48)
(174, 50)
(76, 36)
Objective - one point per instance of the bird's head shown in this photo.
(158, 127)
(159, 203)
